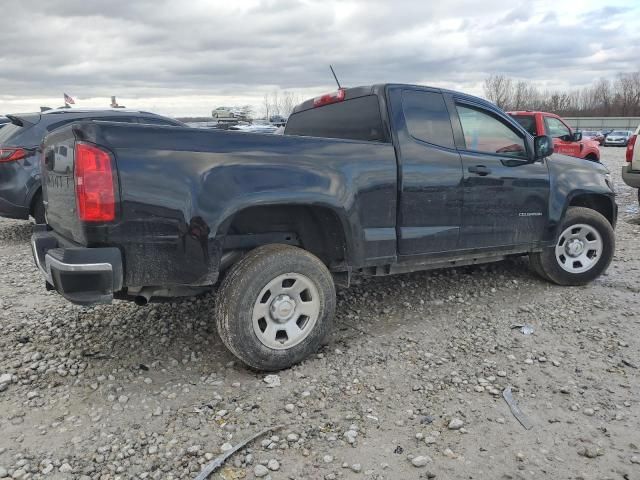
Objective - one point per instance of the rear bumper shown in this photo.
(11, 210)
(630, 177)
(81, 275)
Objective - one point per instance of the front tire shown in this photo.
(583, 250)
(275, 306)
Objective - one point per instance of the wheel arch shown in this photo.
(601, 203)
(320, 229)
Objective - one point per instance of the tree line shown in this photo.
(279, 103)
(604, 98)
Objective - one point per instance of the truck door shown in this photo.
(562, 138)
(505, 193)
(429, 172)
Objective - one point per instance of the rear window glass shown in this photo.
(528, 122)
(19, 136)
(9, 131)
(355, 119)
(427, 117)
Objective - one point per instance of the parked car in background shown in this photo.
(593, 135)
(618, 138)
(372, 180)
(565, 141)
(631, 171)
(20, 187)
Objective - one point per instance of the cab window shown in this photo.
(555, 128)
(427, 117)
(486, 133)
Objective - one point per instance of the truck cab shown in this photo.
(565, 140)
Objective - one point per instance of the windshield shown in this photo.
(620, 133)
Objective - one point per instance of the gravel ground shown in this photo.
(409, 386)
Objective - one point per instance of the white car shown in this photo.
(631, 171)
(617, 138)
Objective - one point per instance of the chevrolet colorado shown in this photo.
(372, 180)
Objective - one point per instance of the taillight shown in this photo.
(630, 145)
(12, 154)
(95, 185)
(328, 98)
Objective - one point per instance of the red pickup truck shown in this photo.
(565, 141)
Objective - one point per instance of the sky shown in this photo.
(184, 58)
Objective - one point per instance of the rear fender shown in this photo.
(353, 243)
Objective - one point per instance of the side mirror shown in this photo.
(576, 137)
(542, 146)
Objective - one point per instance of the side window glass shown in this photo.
(485, 133)
(427, 117)
(556, 128)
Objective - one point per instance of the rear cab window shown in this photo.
(353, 119)
(528, 122)
(427, 117)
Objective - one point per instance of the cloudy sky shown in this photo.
(186, 57)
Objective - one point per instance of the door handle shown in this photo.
(480, 170)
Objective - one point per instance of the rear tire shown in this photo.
(275, 307)
(37, 209)
(582, 252)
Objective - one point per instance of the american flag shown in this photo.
(69, 100)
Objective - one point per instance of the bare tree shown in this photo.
(266, 106)
(499, 90)
(288, 101)
(627, 92)
(603, 97)
(247, 111)
(275, 104)
(518, 96)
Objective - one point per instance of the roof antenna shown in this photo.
(334, 76)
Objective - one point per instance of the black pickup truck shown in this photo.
(371, 180)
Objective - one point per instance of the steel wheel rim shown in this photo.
(579, 248)
(286, 311)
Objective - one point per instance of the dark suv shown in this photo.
(20, 189)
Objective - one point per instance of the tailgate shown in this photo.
(58, 189)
